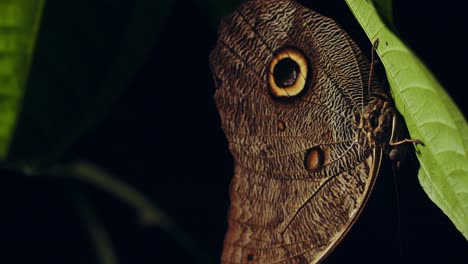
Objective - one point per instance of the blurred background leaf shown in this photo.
(84, 62)
(216, 10)
(19, 23)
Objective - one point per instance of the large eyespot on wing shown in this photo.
(288, 73)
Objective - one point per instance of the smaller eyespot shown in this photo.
(288, 73)
(250, 257)
(314, 159)
(281, 125)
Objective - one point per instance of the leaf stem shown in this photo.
(149, 214)
(98, 234)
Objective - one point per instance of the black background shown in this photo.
(163, 137)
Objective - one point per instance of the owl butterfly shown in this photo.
(306, 125)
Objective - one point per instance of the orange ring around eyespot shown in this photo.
(299, 85)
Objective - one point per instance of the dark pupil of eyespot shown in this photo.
(285, 72)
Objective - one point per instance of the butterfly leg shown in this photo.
(407, 140)
(399, 140)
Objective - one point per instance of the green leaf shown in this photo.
(19, 21)
(87, 55)
(430, 115)
(385, 9)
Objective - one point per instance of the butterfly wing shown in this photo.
(302, 174)
(296, 221)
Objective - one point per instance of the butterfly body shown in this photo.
(306, 131)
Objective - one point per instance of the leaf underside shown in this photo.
(430, 115)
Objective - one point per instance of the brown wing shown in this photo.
(302, 176)
(294, 221)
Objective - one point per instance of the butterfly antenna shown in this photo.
(372, 65)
